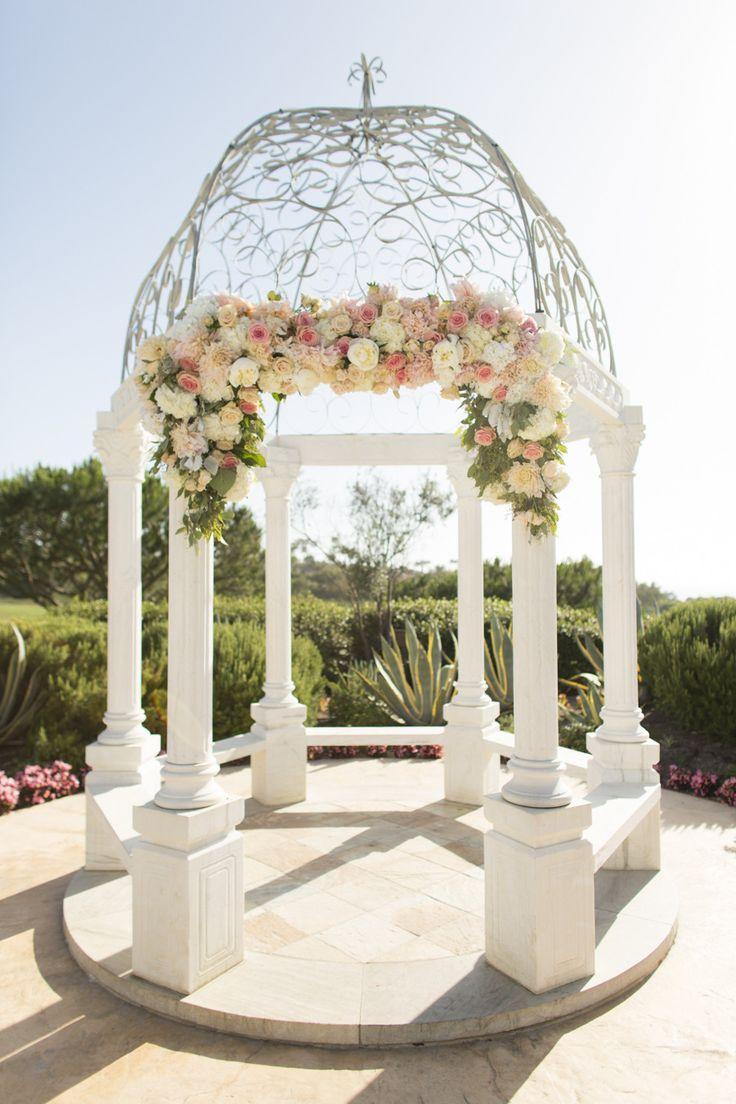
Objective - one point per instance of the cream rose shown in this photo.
(227, 315)
(363, 353)
(555, 475)
(230, 415)
(525, 479)
(550, 346)
(392, 311)
(244, 479)
(495, 493)
(390, 335)
(306, 380)
(446, 361)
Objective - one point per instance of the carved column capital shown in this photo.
(279, 477)
(123, 452)
(616, 445)
(457, 473)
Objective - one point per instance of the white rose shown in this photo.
(392, 311)
(230, 415)
(391, 335)
(340, 323)
(541, 425)
(550, 346)
(498, 354)
(180, 404)
(306, 380)
(555, 475)
(243, 372)
(446, 360)
(363, 353)
(244, 480)
(494, 493)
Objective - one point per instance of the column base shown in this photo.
(621, 761)
(187, 872)
(471, 767)
(133, 767)
(189, 785)
(279, 771)
(540, 911)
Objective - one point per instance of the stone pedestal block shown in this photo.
(279, 771)
(641, 849)
(133, 770)
(540, 914)
(621, 761)
(187, 871)
(471, 769)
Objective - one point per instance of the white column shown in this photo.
(189, 769)
(540, 920)
(471, 768)
(187, 866)
(537, 774)
(279, 772)
(621, 748)
(124, 755)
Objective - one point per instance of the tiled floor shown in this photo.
(332, 884)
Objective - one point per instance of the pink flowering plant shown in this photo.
(202, 385)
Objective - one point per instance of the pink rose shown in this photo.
(229, 460)
(248, 406)
(532, 451)
(395, 361)
(514, 314)
(529, 325)
(189, 382)
(485, 436)
(487, 316)
(457, 319)
(402, 375)
(304, 319)
(258, 333)
(343, 345)
(432, 335)
(367, 313)
(188, 364)
(485, 372)
(500, 393)
(308, 336)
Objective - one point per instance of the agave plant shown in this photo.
(588, 699)
(499, 664)
(413, 687)
(21, 694)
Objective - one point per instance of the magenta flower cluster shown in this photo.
(700, 783)
(35, 784)
(377, 751)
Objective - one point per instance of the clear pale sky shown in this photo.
(619, 115)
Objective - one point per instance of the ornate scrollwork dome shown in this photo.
(322, 200)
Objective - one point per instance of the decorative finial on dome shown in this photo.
(372, 73)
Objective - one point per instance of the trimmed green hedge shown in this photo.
(687, 658)
(72, 651)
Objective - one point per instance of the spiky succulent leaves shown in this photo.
(21, 696)
(499, 663)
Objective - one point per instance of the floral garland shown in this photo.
(202, 384)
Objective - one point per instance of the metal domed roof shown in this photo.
(323, 200)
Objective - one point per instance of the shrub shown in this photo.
(688, 664)
(38, 784)
(9, 793)
(350, 702)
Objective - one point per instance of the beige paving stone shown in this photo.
(256, 873)
(264, 931)
(461, 892)
(315, 949)
(462, 935)
(367, 891)
(315, 912)
(418, 914)
(366, 938)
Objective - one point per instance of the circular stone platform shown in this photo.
(363, 923)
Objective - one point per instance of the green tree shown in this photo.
(579, 584)
(54, 521)
(239, 563)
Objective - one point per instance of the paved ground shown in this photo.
(63, 1038)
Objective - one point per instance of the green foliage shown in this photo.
(351, 703)
(20, 699)
(579, 584)
(58, 519)
(499, 663)
(587, 701)
(239, 559)
(69, 654)
(413, 683)
(687, 659)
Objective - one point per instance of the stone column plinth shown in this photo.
(471, 768)
(279, 771)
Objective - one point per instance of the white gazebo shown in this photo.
(320, 200)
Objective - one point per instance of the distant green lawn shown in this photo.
(20, 609)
